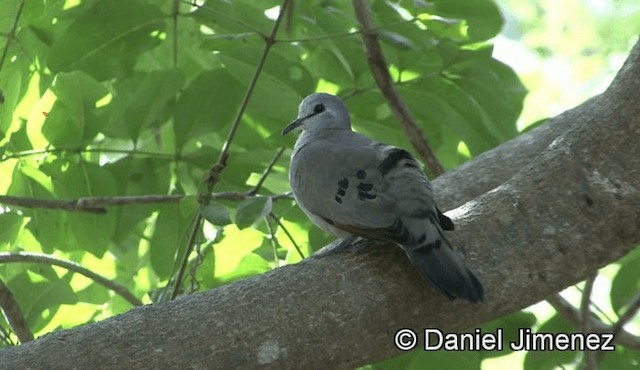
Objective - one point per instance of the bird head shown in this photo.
(320, 111)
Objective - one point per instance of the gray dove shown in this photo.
(352, 186)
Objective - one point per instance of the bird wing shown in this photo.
(363, 187)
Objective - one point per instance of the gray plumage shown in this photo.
(350, 185)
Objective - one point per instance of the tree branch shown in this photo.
(13, 314)
(380, 71)
(27, 257)
(575, 202)
(98, 204)
(571, 314)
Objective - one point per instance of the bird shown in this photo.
(352, 186)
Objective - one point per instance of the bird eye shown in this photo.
(319, 108)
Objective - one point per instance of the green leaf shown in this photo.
(10, 225)
(92, 232)
(208, 103)
(542, 360)
(169, 234)
(141, 100)
(39, 299)
(10, 88)
(126, 29)
(626, 283)
(73, 119)
(251, 210)
(45, 225)
(511, 326)
(482, 16)
(216, 214)
(137, 176)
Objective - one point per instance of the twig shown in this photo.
(197, 225)
(88, 204)
(266, 172)
(13, 314)
(174, 16)
(380, 72)
(214, 173)
(295, 245)
(12, 34)
(273, 240)
(631, 311)
(5, 337)
(589, 361)
(31, 152)
(571, 314)
(28, 257)
(334, 36)
(228, 18)
(97, 204)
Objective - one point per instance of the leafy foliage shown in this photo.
(135, 98)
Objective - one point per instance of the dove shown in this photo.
(352, 186)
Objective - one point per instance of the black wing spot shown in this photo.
(341, 192)
(422, 238)
(364, 186)
(361, 175)
(338, 199)
(395, 156)
(344, 183)
(362, 195)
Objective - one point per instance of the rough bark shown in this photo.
(535, 215)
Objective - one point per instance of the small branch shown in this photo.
(273, 240)
(226, 16)
(265, 173)
(12, 34)
(380, 72)
(27, 153)
(295, 245)
(629, 314)
(214, 173)
(13, 314)
(27, 257)
(590, 361)
(97, 204)
(94, 205)
(197, 225)
(5, 337)
(334, 36)
(571, 314)
(269, 41)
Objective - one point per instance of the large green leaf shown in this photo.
(208, 103)
(91, 232)
(140, 102)
(10, 225)
(72, 120)
(137, 176)
(170, 233)
(251, 210)
(626, 283)
(45, 225)
(542, 360)
(40, 298)
(106, 39)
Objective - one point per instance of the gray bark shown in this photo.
(535, 215)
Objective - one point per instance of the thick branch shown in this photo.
(576, 204)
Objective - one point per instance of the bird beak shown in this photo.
(293, 125)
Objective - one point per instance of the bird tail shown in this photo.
(439, 264)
